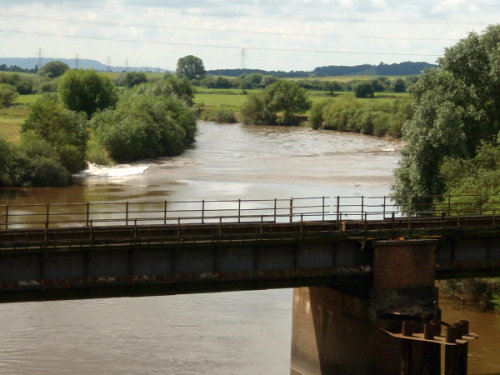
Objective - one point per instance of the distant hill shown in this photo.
(398, 69)
(32, 62)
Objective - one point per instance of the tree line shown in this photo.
(88, 119)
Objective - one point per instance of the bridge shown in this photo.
(366, 250)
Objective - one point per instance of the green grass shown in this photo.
(12, 118)
(220, 100)
(27, 99)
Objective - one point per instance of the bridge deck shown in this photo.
(123, 260)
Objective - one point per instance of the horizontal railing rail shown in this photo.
(278, 210)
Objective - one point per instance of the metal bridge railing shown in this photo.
(334, 208)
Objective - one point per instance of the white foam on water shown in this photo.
(116, 171)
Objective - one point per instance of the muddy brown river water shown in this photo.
(224, 333)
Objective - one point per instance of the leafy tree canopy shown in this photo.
(171, 85)
(279, 103)
(8, 94)
(191, 67)
(86, 91)
(62, 129)
(364, 90)
(145, 125)
(53, 69)
(131, 79)
(455, 107)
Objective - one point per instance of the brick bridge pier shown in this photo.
(376, 324)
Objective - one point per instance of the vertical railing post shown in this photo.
(165, 212)
(239, 210)
(449, 205)
(338, 208)
(383, 208)
(87, 215)
(323, 208)
(291, 210)
(47, 213)
(362, 206)
(203, 211)
(275, 209)
(7, 216)
(126, 213)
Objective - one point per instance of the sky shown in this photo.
(256, 34)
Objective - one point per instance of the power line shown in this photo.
(233, 31)
(218, 46)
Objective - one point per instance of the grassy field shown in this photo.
(233, 98)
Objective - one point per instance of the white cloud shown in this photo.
(157, 33)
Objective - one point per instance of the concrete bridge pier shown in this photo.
(348, 330)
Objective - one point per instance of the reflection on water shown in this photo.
(225, 333)
(484, 353)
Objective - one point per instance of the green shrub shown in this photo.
(171, 85)
(145, 126)
(96, 152)
(86, 91)
(222, 116)
(364, 90)
(64, 130)
(8, 95)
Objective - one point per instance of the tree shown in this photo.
(363, 90)
(86, 91)
(279, 103)
(4, 160)
(171, 85)
(135, 78)
(456, 107)
(399, 85)
(8, 94)
(63, 130)
(53, 69)
(145, 125)
(286, 99)
(191, 67)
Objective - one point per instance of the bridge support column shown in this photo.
(346, 330)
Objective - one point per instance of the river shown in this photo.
(224, 333)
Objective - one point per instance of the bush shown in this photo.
(279, 103)
(222, 116)
(64, 130)
(481, 291)
(364, 90)
(34, 163)
(96, 152)
(131, 79)
(145, 126)
(8, 94)
(53, 69)
(86, 91)
(24, 85)
(349, 114)
(47, 86)
(316, 116)
(171, 85)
